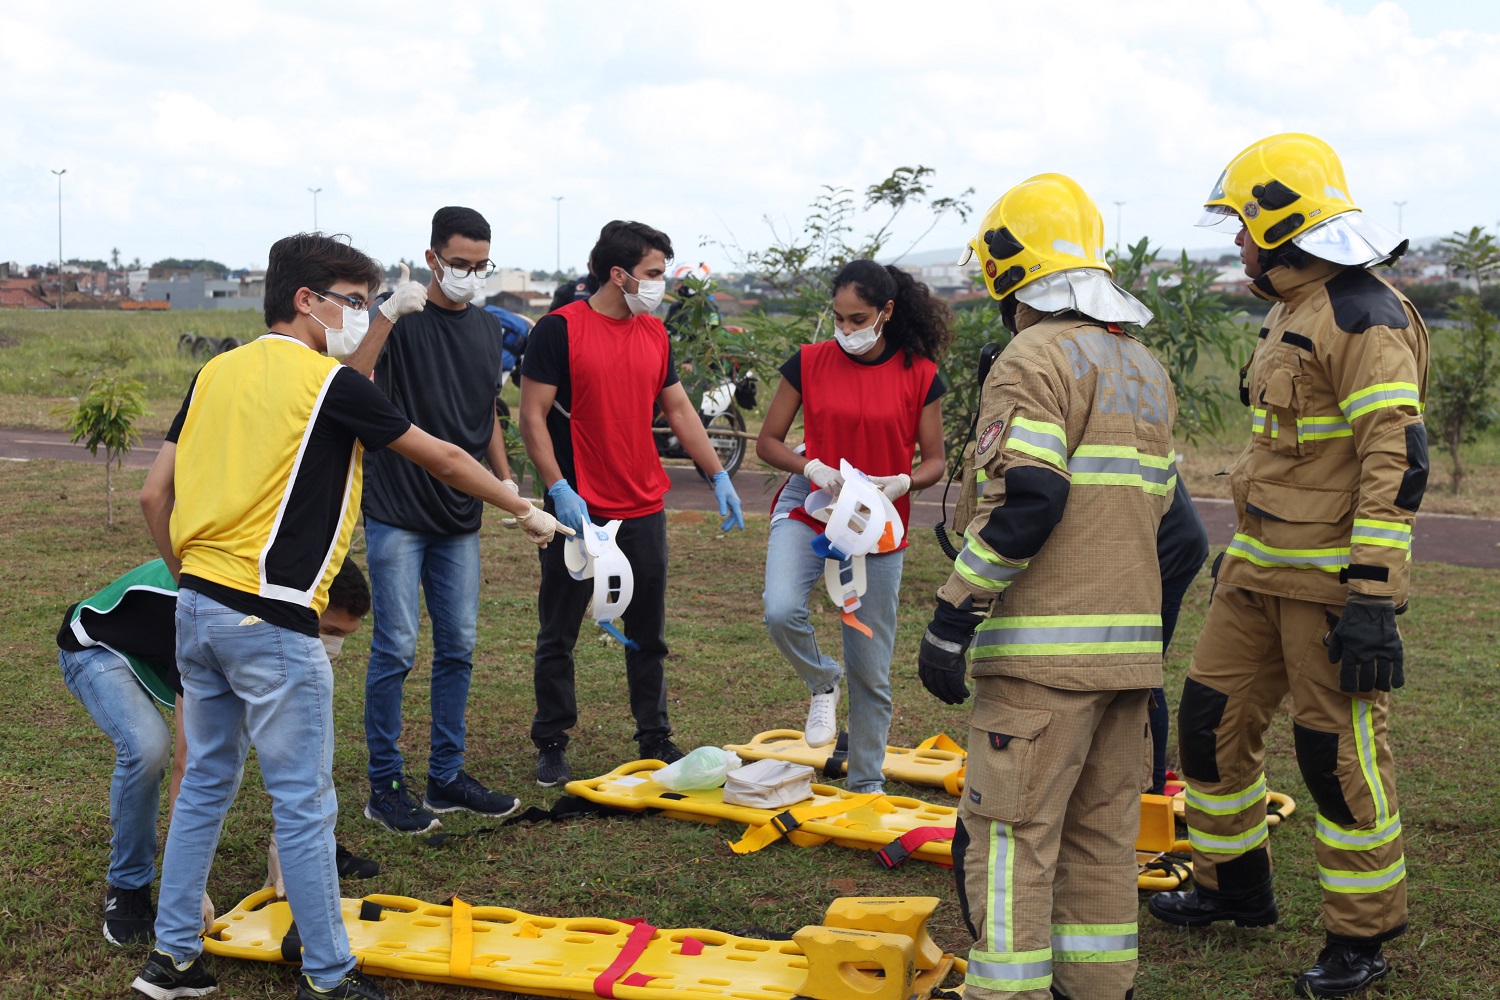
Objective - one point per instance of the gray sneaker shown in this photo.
(395, 809)
(161, 979)
(552, 767)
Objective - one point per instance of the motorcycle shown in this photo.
(725, 395)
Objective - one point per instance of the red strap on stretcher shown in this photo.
(898, 850)
(604, 983)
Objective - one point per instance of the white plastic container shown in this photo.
(768, 784)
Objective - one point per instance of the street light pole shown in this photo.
(59, 174)
(558, 199)
(1119, 223)
(315, 207)
(1399, 206)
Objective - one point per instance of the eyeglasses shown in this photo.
(484, 268)
(354, 303)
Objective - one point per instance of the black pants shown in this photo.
(1172, 592)
(561, 604)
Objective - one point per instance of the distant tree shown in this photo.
(1190, 324)
(106, 414)
(134, 265)
(1462, 394)
(92, 265)
(1473, 255)
(209, 268)
(114, 258)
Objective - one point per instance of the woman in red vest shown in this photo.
(871, 397)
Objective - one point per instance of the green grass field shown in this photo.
(726, 683)
(40, 354)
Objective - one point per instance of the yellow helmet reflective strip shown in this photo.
(1095, 942)
(1237, 843)
(1257, 552)
(1364, 742)
(1227, 805)
(1122, 465)
(1067, 635)
(1346, 839)
(983, 568)
(1392, 534)
(1378, 397)
(1039, 439)
(1379, 880)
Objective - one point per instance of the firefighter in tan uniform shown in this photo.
(1056, 597)
(1309, 589)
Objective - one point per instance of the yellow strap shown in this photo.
(940, 742)
(953, 781)
(461, 950)
(757, 837)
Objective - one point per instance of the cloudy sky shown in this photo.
(195, 130)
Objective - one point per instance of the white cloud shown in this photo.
(188, 128)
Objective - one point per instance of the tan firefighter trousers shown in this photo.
(1044, 852)
(1254, 648)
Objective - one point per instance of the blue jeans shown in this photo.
(446, 569)
(794, 578)
(271, 687)
(131, 718)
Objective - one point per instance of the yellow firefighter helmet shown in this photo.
(1279, 188)
(1039, 227)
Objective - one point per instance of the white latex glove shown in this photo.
(510, 484)
(208, 914)
(540, 527)
(409, 297)
(273, 871)
(824, 477)
(511, 522)
(893, 486)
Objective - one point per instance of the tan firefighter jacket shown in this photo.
(1328, 488)
(1071, 473)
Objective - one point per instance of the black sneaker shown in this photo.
(128, 915)
(350, 865)
(661, 749)
(162, 980)
(552, 767)
(395, 809)
(355, 985)
(463, 792)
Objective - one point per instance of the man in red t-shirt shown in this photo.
(593, 372)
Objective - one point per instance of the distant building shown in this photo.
(937, 270)
(22, 293)
(198, 292)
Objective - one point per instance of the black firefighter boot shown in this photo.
(1200, 907)
(1343, 969)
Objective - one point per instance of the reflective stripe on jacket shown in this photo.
(1328, 488)
(1075, 430)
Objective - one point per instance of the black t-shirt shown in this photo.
(1181, 540)
(142, 625)
(439, 367)
(352, 408)
(546, 360)
(791, 370)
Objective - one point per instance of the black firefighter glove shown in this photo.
(940, 662)
(1366, 643)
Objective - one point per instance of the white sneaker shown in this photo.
(822, 723)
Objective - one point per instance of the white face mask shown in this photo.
(858, 341)
(460, 290)
(344, 339)
(332, 644)
(647, 297)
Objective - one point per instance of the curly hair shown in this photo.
(920, 323)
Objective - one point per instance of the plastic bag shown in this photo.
(705, 767)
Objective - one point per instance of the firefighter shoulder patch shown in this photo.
(989, 436)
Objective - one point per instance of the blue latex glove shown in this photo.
(729, 501)
(571, 510)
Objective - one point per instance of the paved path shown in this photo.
(1446, 538)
